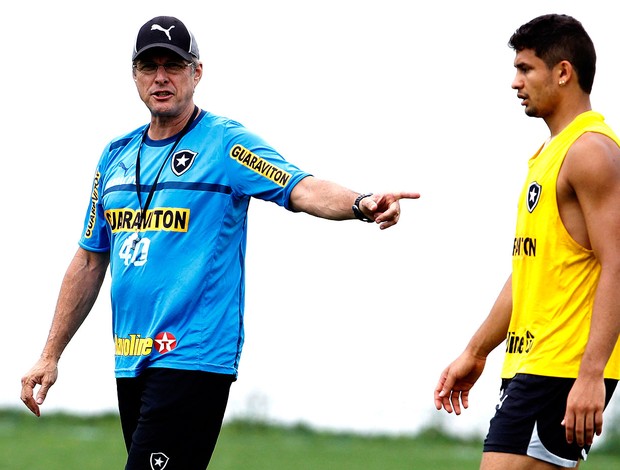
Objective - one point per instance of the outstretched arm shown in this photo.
(78, 292)
(459, 377)
(329, 200)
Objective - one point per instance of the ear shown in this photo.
(564, 72)
(198, 73)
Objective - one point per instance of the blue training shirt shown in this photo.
(178, 275)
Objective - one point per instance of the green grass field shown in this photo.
(66, 442)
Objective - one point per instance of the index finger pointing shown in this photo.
(407, 195)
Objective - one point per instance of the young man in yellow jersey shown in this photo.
(559, 311)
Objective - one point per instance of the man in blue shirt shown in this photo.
(168, 215)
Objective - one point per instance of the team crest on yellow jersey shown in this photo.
(533, 195)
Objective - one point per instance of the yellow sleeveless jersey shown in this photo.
(554, 279)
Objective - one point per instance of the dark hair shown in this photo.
(555, 38)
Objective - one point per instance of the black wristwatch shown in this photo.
(357, 211)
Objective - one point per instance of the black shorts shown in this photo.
(528, 419)
(172, 418)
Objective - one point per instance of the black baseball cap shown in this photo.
(167, 32)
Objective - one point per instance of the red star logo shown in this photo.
(166, 342)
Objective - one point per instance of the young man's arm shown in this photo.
(459, 377)
(592, 171)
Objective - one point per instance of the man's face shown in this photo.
(165, 81)
(534, 84)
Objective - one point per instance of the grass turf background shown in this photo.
(61, 441)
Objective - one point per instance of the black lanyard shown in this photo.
(152, 190)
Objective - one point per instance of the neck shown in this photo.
(567, 113)
(164, 126)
